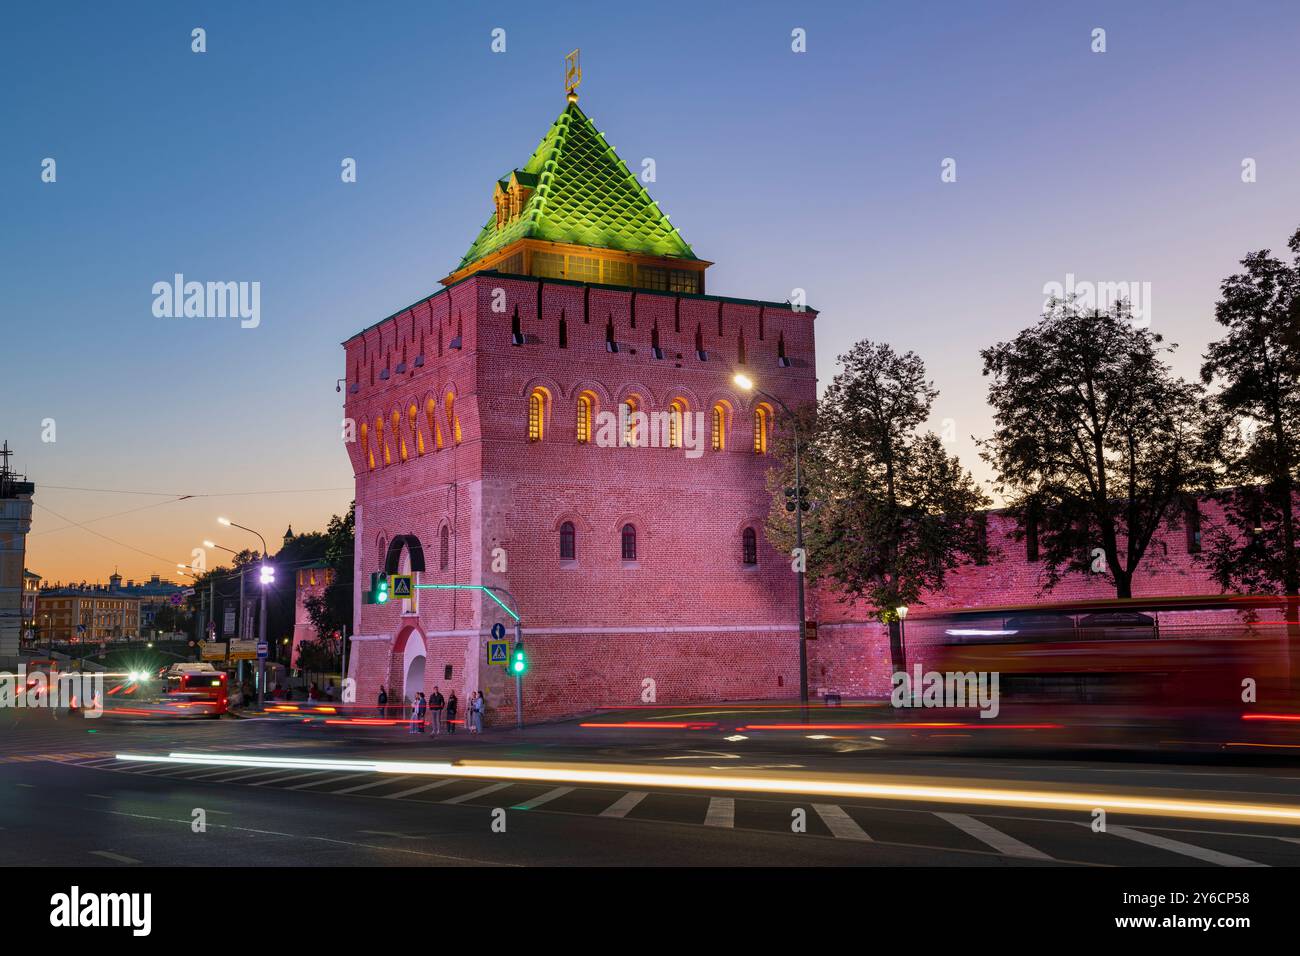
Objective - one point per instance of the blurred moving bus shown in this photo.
(1180, 671)
(195, 690)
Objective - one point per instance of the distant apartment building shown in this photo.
(153, 595)
(78, 615)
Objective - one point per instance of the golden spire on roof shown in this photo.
(572, 75)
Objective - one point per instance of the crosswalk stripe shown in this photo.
(491, 788)
(624, 804)
(280, 777)
(543, 798)
(841, 825)
(247, 774)
(155, 768)
(96, 764)
(370, 786)
(317, 773)
(1002, 842)
(1183, 849)
(206, 773)
(721, 813)
(420, 789)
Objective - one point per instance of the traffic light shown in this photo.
(378, 593)
(518, 661)
(790, 496)
(268, 574)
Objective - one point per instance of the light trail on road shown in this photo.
(821, 785)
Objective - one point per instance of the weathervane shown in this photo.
(572, 75)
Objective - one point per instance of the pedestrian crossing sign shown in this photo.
(399, 585)
(498, 652)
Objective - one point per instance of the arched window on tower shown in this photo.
(431, 416)
(365, 446)
(413, 414)
(749, 546)
(399, 439)
(568, 542)
(718, 427)
(676, 409)
(536, 414)
(444, 548)
(762, 420)
(586, 410)
(629, 542)
(453, 423)
(382, 441)
(629, 409)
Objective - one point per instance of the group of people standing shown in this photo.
(432, 708)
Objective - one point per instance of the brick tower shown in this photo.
(560, 421)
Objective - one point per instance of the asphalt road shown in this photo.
(65, 799)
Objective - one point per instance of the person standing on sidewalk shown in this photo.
(436, 703)
(383, 701)
(451, 713)
(417, 714)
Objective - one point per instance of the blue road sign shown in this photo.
(498, 652)
(498, 631)
(261, 650)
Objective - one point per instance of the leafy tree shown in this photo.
(331, 612)
(1255, 427)
(318, 657)
(893, 512)
(1096, 442)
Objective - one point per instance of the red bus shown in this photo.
(195, 691)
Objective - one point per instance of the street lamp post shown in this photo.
(261, 628)
(901, 611)
(746, 383)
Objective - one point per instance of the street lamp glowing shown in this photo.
(209, 544)
(743, 381)
(902, 612)
(225, 521)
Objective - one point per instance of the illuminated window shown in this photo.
(629, 543)
(365, 445)
(683, 280)
(749, 546)
(453, 423)
(444, 548)
(413, 413)
(628, 409)
(435, 430)
(536, 414)
(616, 272)
(585, 416)
(676, 408)
(760, 430)
(381, 441)
(584, 269)
(568, 542)
(718, 431)
(548, 265)
(399, 439)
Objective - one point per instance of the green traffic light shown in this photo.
(518, 663)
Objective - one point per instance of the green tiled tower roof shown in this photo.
(584, 195)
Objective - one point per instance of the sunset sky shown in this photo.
(817, 170)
